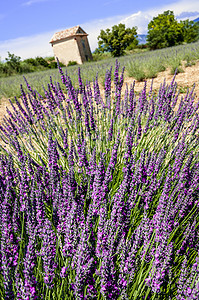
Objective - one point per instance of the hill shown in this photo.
(196, 20)
(142, 38)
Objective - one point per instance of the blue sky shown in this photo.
(26, 26)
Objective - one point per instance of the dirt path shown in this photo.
(184, 80)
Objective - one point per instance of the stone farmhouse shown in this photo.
(71, 45)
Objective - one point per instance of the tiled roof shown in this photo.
(76, 30)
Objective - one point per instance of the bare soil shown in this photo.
(184, 80)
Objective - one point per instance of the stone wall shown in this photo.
(67, 50)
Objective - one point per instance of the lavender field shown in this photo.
(140, 66)
(99, 192)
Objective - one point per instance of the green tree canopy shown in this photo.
(13, 62)
(190, 31)
(164, 31)
(117, 39)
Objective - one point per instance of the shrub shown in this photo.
(142, 46)
(52, 65)
(51, 58)
(100, 56)
(151, 73)
(161, 67)
(41, 61)
(27, 67)
(13, 63)
(31, 61)
(175, 65)
(72, 63)
(99, 194)
(136, 70)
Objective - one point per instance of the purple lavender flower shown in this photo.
(110, 131)
(92, 119)
(81, 86)
(139, 130)
(47, 253)
(131, 100)
(142, 100)
(29, 262)
(97, 94)
(116, 74)
(108, 83)
(84, 268)
(97, 184)
(188, 281)
(109, 287)
(9, 245)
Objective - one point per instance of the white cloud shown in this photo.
(185, 14)
(30, 46)
(139, 19)
(38, 45)
(93, 28)
(183, 9)
(183, 6)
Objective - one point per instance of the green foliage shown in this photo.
(31, 61)
(175, 65)
(176, 70)
(99, 55)
(133, 45)
(4, 70)
(190, 31)
(48, 62)
(142, 46)
(13, 63)
(26, 67)
(164, 31)
(41, 61)
(145, 68)
(189, 60)
(61, 64)
(50, 58)
(136, 70)
(52, 65)
(117, 40)
(72, 63)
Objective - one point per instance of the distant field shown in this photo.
(139, 66)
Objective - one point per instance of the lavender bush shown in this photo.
(99, 192)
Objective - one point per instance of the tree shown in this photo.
(14, 63)
(117, 39)
(164, 31)
(190, 31)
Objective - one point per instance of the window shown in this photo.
(83, 43)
